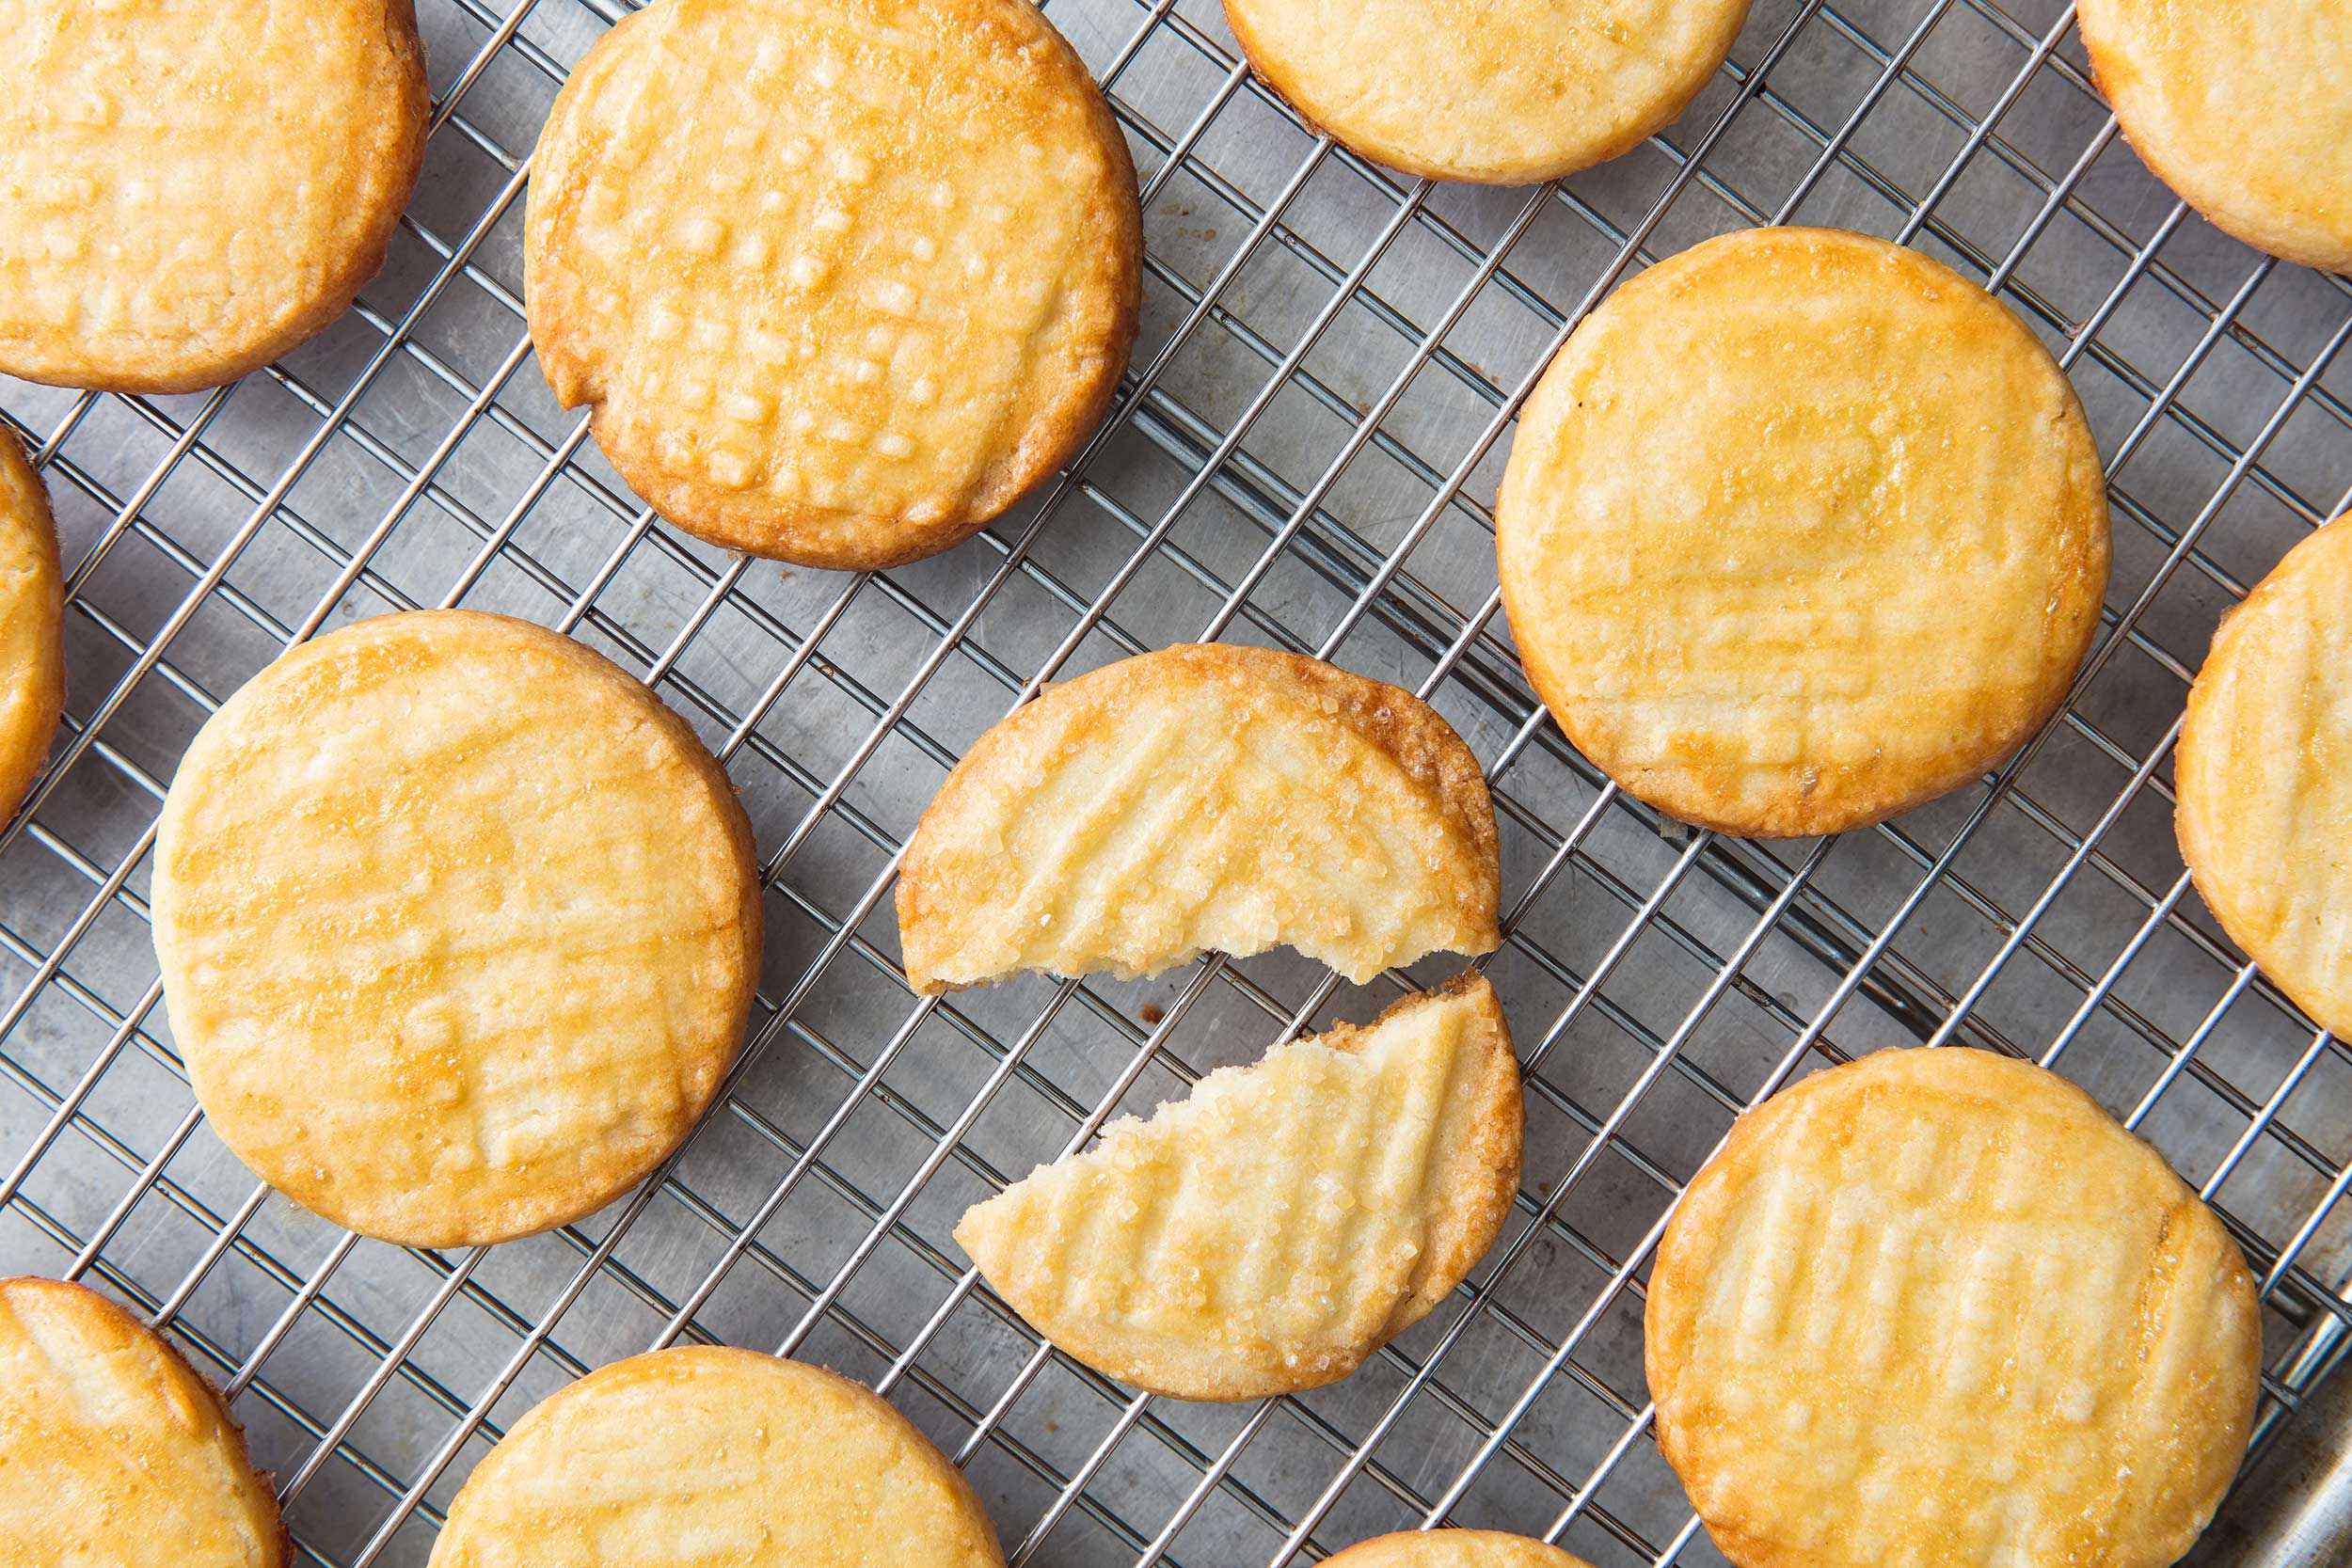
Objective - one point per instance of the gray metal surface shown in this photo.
(1303, 455)
(2293, 1510)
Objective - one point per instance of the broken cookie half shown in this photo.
(1204, 797)
(1271, 1231)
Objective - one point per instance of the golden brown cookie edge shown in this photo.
(2102, 51)
(1429, 1549)
(670, 1364)
(1480, 1185)
(125, 1328)
(25, 747)
(1283, 84)
(792, 531)
(1428, 748)
(1678, 1270)
(401, 78)
(1691, 795)
(2196, 824)
(527, 1216)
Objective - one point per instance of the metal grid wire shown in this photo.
(1302, 455)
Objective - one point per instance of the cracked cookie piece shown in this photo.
(1936, 1306)
(1502, 93)
(708, 1454)
(1203, 797)
(112, 1449)
(458, 927)
(2244, 110)
(1800, 529)
(190, 188)
(32, 627)
(1284, 1221)
(843, 279)
(2265, 776)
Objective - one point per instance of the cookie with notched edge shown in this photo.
(708, 1454)
(1203, 797)
(190, 188)
(842, 279)
(32, 627)
(2245, 110)
(1287, 1219)
(1936, 1306)
(458, 927)
(1800, 529)
(1502, 92)
(112, 1449)
(2264, 771)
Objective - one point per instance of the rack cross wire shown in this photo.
(1303, 455)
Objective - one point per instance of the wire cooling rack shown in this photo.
(1303, 455)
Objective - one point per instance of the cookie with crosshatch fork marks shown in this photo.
(1500, 91)
(2264, 775)
(705, 1455)
(843, 279)
(2245, 109)
(1937, 1307)
(1205, 797)
(112, 1449)
(1800, 529)
(1288, 1219)
(458, 927)
(190, 188)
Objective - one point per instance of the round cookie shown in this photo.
(2245, 110)
(112, 1449)
(458, 925)
(1800, 529)
(715, 1455)
(189, 188)
(843, 279)
(1453, 1548)
(2263, 773)
(32, 627)
(1936, 1306)
(1504, 92)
